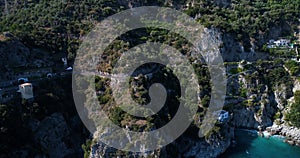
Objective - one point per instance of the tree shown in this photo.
(293, 116)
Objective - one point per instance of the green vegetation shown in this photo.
(104, 94)
(249, 103)
(60, 25)
(277, 115)
(87, 148)
(54, 96)
(215, 130)
(56, 25)
(243, 92)
(205, 101)
(293, 116)
(236, 70)
(116, 115)
(282, 52)
(248, 19)
(204, 82)
(293, 67)
(277, 76)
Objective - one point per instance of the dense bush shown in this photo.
(87, 148)
(235, 70)
(293, 116)
(59, 25)
(248, 19)
(277, 76)
(293, 67)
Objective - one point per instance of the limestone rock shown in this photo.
(292, 133)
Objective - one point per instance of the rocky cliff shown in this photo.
(258, 96)
(185, 146)
(19, 60)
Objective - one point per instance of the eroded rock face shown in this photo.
(50, 135)
(215, 145)
(291, 133)
(296, 85)
(244, 118)
(234, 51)
(100, 150)
(282, 93)
(18, 60)
(185, 146)
(257, 102)
(13, 53)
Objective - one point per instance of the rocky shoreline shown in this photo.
(292, 134)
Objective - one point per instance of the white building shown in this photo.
(26, 90)
(223, 116)
(282, 42)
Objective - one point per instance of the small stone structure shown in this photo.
(26, 90)
(223, 116)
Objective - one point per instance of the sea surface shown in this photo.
(250, 145)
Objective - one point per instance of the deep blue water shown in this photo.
(250, 145)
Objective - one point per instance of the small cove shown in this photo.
(250, 145)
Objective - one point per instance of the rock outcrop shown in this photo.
(292, 134)
(185, 146)
(13, 52)
(252, 101)
(282, 94)
(19, 60)
(50, 135)
(215, 145)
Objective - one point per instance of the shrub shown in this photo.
(87, 148)
(277, 115)
(236, 70)
(116, 115)
(293, 116)
(205, 101)
(293, 67)
(243, 92)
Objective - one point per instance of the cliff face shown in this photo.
(234, 51)
(184, 146)
(51, 133)
(253, 99)
(13, 52)
(18, 60)
(189, 144)
(256, 92)
(213, 146)
(259, 96)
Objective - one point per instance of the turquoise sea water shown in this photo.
(250, 145)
